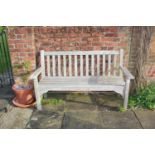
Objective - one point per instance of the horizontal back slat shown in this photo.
(81, 52)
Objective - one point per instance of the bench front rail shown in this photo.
(82, 71)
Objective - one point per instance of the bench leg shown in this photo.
(38, 101)
(126, 93)
(37, 94)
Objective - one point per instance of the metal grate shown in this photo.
(6, 75)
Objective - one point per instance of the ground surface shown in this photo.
(79, 111)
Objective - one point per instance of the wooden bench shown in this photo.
(81, 71)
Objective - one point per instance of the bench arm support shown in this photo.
(126, 73)
(36, 73)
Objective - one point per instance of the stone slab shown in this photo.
(57, 108)
(15, 118)
(74, 106)
(46, 120)
(82, 120)
(119, 120)
(108, 101)
(3, 105)
(81, 97)
(147, 118)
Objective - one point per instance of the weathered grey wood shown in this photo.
(64, 65)
(104, 65)
(121, 60)
(83, 81)
(59, 66)
(115, 60)
(42, 63)
(98, 65)
(126, 73)
(37, 94)
(70, 65)
(82, 53)
(75, 65)
(48, 65)
(81, 65)
(126, 93)
(87, 63)
(36, 73)
(92, 65)
(109, 65)
(53, 65)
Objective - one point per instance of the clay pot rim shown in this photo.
(22, 89)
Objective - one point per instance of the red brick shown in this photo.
(111, 35)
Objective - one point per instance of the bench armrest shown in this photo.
(126, 73)
(36, 73)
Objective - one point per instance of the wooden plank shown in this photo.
(53, 65)
(36, 73)
(109, 65)
(126, 93)
(121, 61)
(115, 67)
(92, 65)
(75, 65)
(81, 65)
(98, 65)
(104, 65)
(43, 63)
(96, 80)
(37, 94)
(70, 65)
(48, 65)
(126, 72)
(82, 52)
(118, 89)
(59, 65)
(64, 65)
(87, 64)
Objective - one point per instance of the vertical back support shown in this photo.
(48, 65)
(92, 65)
(115, 59)
(98, 65)
(81, 65)
(103, 65)
(42, 63)
(121, 60)
(64, 65)
(75, 65)
(87, 63)
(70, 65)
(109, 65)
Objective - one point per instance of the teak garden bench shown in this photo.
(81, 71)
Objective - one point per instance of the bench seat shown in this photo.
(80, 83)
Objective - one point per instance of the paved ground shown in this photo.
(79, 111)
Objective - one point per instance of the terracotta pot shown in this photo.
(24, 96)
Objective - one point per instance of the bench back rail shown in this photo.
(78, 63)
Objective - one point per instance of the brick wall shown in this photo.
(82, 39)
(21, 44)
(26, 42)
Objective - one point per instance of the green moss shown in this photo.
(53, 101)
(122, 109)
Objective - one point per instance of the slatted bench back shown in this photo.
(81, 63)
